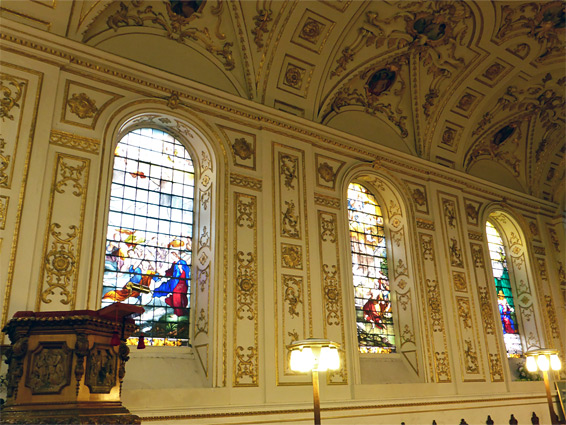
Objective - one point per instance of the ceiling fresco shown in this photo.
(477, 86)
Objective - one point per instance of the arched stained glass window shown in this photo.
(150, 228)
(505, 300)
(374, 320)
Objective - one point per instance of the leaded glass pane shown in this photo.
(148, 245)
(505, 300)
(374, 319)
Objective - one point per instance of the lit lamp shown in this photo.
(315, 355)
(544, 360)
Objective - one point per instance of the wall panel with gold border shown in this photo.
(292, 286)
(472, 363)
(21, 94)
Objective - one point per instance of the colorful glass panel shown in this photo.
(374, 320)
(505, 300)
(150, 228)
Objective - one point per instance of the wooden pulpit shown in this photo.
(68, 366)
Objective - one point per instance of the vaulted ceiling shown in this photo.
(478, 86)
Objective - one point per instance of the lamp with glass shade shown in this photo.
(314, 355)
(545, 360)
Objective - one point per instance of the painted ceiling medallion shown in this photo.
(381, 81)
(185, 9)
(431, 27)
(502, 135)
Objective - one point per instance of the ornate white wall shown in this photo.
(273, 261)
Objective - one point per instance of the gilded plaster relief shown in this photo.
(491, 323)
(464, 308)
(291, 260)
(312, 31)
(20, 92)
(437, 348)
(173, 24)
(541, 22)
(73, 141)
(246, 295)
(261, 22)
(246, 182)
(419, 196)
(333, 320)
(526, 121)
(552, 327)
(472, 209)
(242, 147)
(63, 237)
(295, 76)
(4, 200)
(13, 89)
(83, 104)
(327, 170)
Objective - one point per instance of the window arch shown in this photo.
(505, 299)
(374, 318)
(149, 235)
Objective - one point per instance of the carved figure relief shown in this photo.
(101, 369)
(50, 368)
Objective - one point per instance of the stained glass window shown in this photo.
(374, 320)
(150, 228)
(505, 300)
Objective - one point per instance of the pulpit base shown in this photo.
(68, 413)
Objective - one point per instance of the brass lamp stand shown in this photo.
(544, 360)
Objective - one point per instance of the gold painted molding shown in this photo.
(69, 140)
